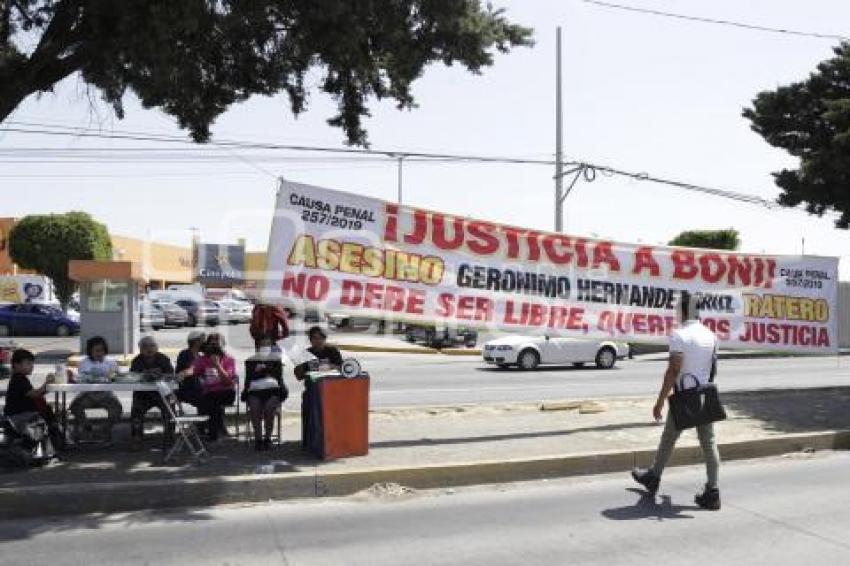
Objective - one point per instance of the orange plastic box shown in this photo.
(344, 417)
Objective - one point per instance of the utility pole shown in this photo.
(400, 160)
(559, 167)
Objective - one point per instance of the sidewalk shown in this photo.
(425, 448)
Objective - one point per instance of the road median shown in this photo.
(426, 447)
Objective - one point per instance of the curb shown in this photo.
(114, 497)
(386, 349)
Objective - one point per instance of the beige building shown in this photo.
(161, 264)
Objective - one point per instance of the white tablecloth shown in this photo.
(114, 387)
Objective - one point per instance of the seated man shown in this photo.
(327, 356)
(149, 362)
(25, 402)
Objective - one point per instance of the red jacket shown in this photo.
(270, 320)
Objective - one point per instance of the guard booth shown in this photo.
(109, 302)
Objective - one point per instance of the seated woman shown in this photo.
(95, 364)
(190, 388)
(25, 402)
(264, 391)
(217, 372)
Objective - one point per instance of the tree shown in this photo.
(710, 239)
(46, 243)
(194, 58)
(811, 121)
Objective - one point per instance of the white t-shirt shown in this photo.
(98, 369)
(697, 345)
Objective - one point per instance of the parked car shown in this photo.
(341, 320)
(234, 312)
(34, 319)
(200, 312)
(528, 352)
(150, 316)
(175, 315)
(434, 337)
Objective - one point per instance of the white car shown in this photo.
(528, 352)
(234, 312)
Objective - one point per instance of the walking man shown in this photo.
(693, 351)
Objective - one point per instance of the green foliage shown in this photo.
(194, 58)
(46, 243)
(711, 239)
(811, 121)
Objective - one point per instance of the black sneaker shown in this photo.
(709, 499)
(646, 478)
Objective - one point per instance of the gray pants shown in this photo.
(706, 441)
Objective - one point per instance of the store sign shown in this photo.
(24, 289)
(349, 253)
(220, 264)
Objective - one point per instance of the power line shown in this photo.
(589, 169)
(705, 20)
(139, 136)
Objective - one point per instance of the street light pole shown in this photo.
(559, 167)
(400, 160)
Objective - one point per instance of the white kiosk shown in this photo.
(109, 302)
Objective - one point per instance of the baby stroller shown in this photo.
(24, 442)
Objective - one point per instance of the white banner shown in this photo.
(341, 252)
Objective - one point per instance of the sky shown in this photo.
(641, 93)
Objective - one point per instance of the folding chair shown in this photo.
(249, 431)
(186, 435)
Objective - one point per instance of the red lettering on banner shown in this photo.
(785, 334)
(445, 305)
(645, 260)
(625, 323)
(558, 317)
(720, 327)
(380, 297)
(510, 316)
(712, 267)
(576, 320)
(391, 226)
(484, 242)
(655, 324)
(293, 285)
(352, 293)
(533, 246)
(420, 229)
(415, 302)
(512, 237)
(604, 253)
(561, 254)
(438, 223)
(684, 265)
(581, 253)
(313, 288)
(740, 270)
(474, 308)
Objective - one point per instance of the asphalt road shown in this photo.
(419, 379)
(776, 512)
(436, 380)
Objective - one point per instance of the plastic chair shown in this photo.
(186, 434)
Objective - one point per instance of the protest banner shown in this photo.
(340, 252)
